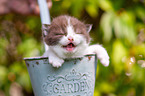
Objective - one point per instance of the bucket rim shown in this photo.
(44, 57)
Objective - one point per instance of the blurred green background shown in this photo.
(119, 25)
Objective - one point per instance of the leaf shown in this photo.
(92, 8)
(77, 7)
(119, 52)
(105, 5)
(128, 27)
(3, 75)
(117, 27)
(106, 26)
(66, 4)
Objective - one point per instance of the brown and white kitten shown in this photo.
(67, 37)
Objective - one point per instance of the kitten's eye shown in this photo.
(59, 34)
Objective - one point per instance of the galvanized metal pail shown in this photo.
(76, 77)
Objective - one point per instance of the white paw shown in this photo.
(105, 61)
(101, 53)
(104, 58)
(56, 62)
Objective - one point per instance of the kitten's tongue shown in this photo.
(69, 47)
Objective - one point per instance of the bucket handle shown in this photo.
(45, 16)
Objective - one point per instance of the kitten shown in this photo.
(67, 37)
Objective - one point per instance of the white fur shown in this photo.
(57, 53)
(54, 59)
(100, 52)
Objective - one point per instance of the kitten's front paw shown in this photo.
(105, 61)
(104, 58)
(56, 62)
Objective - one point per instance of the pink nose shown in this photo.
(70, 39)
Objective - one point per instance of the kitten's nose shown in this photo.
(70, 39)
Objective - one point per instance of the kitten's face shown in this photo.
(67, 34)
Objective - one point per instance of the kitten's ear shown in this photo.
(88, 27)
(45, 29)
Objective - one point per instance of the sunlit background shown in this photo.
(119, 25)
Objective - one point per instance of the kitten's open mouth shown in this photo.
(69, 47)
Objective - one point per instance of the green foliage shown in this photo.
(121, 51)
(117, 24)
(30, 47)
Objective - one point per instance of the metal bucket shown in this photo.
(76, 77)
